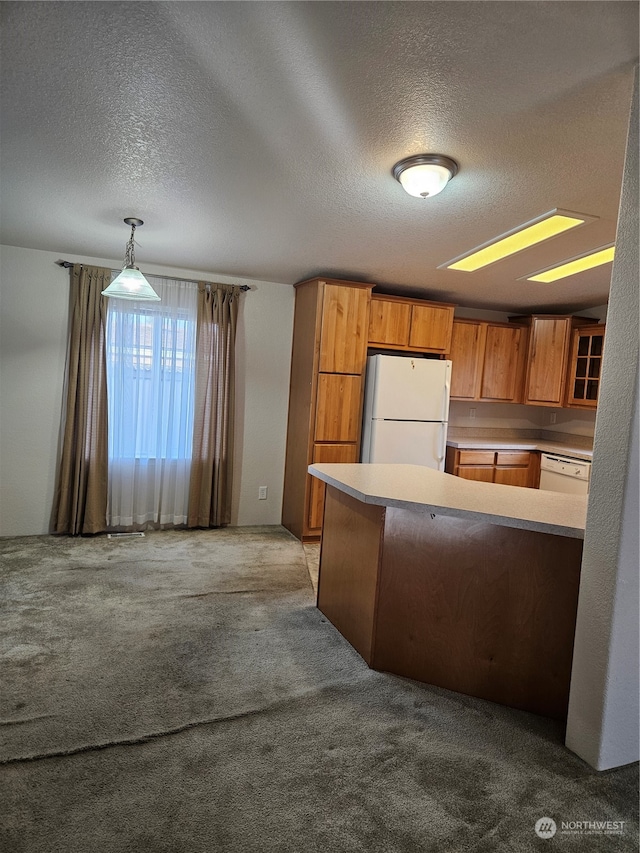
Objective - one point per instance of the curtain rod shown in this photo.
(243, 287)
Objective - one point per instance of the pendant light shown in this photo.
(131, 284)
(425, 175)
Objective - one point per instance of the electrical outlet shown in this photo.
(472, 413)
(262, 493)
(552, 418)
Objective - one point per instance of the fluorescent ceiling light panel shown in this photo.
(585, 262)
(549, 225)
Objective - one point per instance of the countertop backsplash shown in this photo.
(455, 433)
(528, 421)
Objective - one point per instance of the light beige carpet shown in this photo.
(182, 694)
(312, 554)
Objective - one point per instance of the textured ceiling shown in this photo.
(257, 138)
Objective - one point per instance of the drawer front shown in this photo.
(483, 473)
(476, 457)
(513, 457)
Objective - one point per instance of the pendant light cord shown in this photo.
(130, 252)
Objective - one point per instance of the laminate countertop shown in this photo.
(421, 489)
(541, 444)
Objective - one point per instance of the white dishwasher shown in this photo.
(564, 474)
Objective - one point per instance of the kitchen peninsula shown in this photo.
(464, 585)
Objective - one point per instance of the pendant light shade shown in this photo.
(131, 284)
(425, 175)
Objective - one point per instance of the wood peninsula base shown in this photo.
(472, 606)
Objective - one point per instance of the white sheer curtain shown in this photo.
(150, 389)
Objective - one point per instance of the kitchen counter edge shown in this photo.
(420, 489)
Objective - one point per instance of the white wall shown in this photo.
(602, 725)
(34, 296)
(494, 415)
(513, 416)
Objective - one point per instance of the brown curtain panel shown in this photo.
(212, 461)
(80, 502)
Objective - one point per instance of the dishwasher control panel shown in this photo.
(580, 469)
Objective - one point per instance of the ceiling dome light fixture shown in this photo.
(425, 175)
(131, 284)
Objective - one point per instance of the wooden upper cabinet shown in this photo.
(503, 367)
(466, 354)
(585, 367)
(413, 325)
(389, 323)
(343, 337)
(487, 361)
(431, 327)
(547, 358)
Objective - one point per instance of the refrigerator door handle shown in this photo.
(440, 451)
(447, 392)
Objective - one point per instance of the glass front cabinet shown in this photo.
(585, 367)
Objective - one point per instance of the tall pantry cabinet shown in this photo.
(328, 363)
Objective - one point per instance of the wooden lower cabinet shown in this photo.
(517, 468)
(508, 467)
(326, 453)
(513, 476)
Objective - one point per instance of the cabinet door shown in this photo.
(326, 453)
(467, 344)
(338, 407)
(484, 473)
(547, 361)
(585, 367)
(518, 476)
(389, 323)
(431, 328)
(502, 368)
(343, 339)
(516, 468)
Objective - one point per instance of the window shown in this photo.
(150, 352)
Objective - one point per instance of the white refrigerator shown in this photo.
(406, 410)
